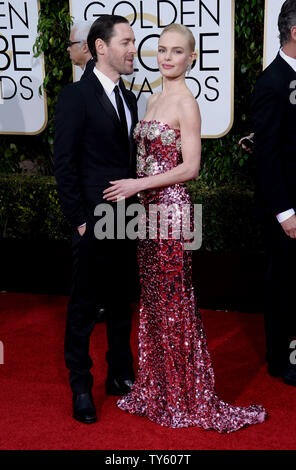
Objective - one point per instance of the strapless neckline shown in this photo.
(154, 121)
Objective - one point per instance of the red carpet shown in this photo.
(35, 404)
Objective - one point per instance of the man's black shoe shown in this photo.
(83, 408)
(118, 386)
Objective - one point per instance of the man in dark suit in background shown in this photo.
(274, 115)
(78, 47)
(95, 118)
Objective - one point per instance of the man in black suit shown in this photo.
(78, 47)
(95, 118)
(274, 115)
(80, 56)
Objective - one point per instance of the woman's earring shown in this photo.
(188, 70)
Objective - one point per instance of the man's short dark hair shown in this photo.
(103, 28)
(287, 19)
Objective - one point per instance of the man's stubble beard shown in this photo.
(121, 68)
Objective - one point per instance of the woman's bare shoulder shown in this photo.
(187, 99)
(188, 109)
(187, 103)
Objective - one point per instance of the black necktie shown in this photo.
(121, 111)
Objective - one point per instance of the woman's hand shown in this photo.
(122, 189)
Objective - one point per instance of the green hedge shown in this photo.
(29, 209)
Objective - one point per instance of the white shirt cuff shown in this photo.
(81, 225)
(282, 216)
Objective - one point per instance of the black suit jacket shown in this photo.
(89, 148)
(88, 69)
(274, 117)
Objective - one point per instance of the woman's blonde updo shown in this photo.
(180, 28)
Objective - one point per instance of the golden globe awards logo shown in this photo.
(21, 74)
(211, 78)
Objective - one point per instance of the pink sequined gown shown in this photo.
(175, 383)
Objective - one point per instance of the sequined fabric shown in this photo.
(175, 384)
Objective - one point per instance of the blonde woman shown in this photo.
(175, 382)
